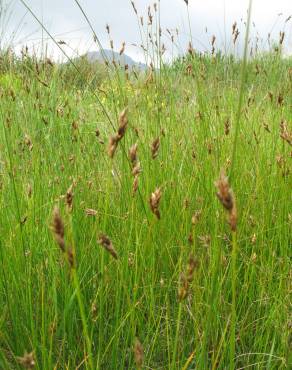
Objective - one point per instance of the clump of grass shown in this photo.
(209, 111)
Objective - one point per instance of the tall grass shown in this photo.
(145, 268)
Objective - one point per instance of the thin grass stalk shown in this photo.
(233, 303)
(241, 91)
(178, 320)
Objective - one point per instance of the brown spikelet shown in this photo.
(106, 243)
(235, 36)
(138, 354)
(113, 143)
(114, 140)
(155, 147)
(285, 133)
(122, 48)
(58, 228)
(133, 154)
(27, 360)
(154, 202)
(69, 198)
(282, 35)
(227, 127)
(226, 197)
(224, 192)
(71, 256)
(135, 185)
(90, 212)
(136, 167)
(187, 278)
(123, 122)
(190, 49)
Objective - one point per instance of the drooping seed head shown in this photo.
(58, 228)
(154, 202)
(155, 147)
(106, 243)
(224, 192)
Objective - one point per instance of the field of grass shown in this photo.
(115, 251)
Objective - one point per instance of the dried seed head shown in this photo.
(71, 257)
(154, 202)
(190, 49)
(133, 154)
(122, 48)
(69, 198)
(138, 354)
(113, 143)
(226, 197)
(155, 147)
(282, 35)
(135, 185)
(58, 228)
(27, 360)
(106, 243)
(123, 122)
(136, 170)
(285, 133)
(187, 278)
(90, 212)
(227, 127)
(224, 193)
(195, 217)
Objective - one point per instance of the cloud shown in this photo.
(65, 21)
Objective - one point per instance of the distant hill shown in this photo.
(111, 55)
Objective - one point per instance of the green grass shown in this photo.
(236, 314)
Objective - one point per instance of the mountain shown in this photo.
(111, 55)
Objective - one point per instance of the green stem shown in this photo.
(83, 318)
(233, 304)
(173, 366)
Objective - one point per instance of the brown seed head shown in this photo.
(122, 48)
(224, 193)
(138, 353)
(123, 122)
(154, 202)
(106, 243)
(27, 360)
(90, 212)
(69, 198)
(58, 228)
(187, 278)
(226, 197)
(71, 257)
(133, 154)
(155, 147)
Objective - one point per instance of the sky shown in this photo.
(64, 20)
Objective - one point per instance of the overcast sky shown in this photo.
(207, 17)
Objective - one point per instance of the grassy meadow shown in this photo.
(145, 218)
